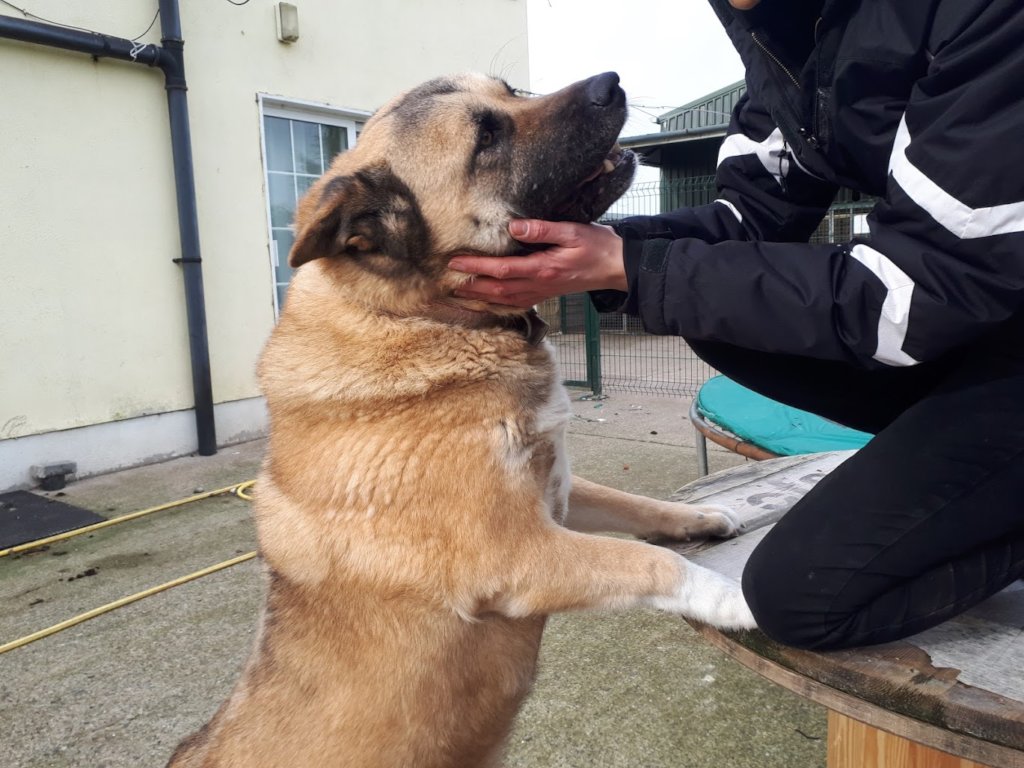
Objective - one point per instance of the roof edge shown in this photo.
(662, 138)
(700, 101)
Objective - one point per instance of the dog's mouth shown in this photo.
(595, 192)
(588, 198)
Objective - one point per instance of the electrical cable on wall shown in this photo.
(37, 17)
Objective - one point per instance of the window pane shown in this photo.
(282, 199)
(307, 147)
(279, 144)
(335, 140)
(284, 240)
(298, 152)
(302, 183)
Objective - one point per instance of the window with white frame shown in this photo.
(299, 141)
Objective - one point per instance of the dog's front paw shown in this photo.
(685, 522)
(710, 598)
(721, 522)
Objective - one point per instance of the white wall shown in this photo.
(92, 318)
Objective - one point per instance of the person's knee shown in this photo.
(788, 601)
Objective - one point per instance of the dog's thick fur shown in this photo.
(411, 507)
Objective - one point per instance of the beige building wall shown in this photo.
(92, 315)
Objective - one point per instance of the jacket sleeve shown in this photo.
(764, 195)
(944, 258)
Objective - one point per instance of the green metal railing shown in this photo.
(577, 334)
(612, 351)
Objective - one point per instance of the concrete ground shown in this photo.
(638, 689)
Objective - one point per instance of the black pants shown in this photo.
(919, 525)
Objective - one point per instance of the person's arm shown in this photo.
(763, 192)
(944, 260)
(764, 195)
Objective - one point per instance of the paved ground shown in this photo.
(119, 691)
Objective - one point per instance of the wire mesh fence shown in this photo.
(646, 198)
(612, 351)
(843, 222)
(617, 354)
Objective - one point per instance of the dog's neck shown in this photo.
(527, 323)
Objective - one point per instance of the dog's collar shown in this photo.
(530, 326)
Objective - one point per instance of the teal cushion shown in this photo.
(775, 427)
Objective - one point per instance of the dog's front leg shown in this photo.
(562, 570)
(594, 508)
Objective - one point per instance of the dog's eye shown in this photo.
(488, 131)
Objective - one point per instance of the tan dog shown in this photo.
(411, 506)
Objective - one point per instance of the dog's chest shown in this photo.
(560, 480)
(548, 456)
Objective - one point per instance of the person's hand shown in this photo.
(582, 257)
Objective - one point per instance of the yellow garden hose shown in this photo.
(75, 620)
(239, 490)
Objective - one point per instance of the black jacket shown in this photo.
(919, 102)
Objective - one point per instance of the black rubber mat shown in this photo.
(27, 517)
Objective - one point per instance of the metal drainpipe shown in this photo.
(170, 60)
(173, 66)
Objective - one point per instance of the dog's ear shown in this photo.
(371, 211)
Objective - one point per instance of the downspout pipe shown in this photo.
(172, 63)
(170, 60)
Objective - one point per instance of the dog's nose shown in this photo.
(603, 89)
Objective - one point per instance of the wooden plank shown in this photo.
(760, 493)
(727, 556)
(913, 677)
(986, 644)
(852, 744)
(964, 745)
(963, 679)
(750, 472)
